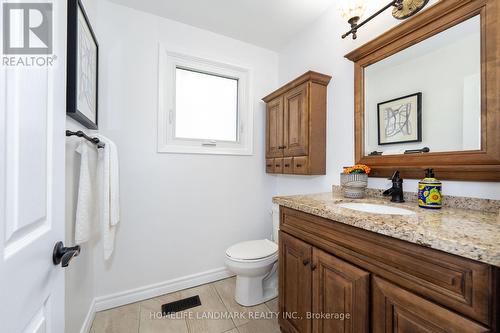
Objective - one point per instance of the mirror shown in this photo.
(431, 81)
(427, 95)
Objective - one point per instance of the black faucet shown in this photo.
(396, 191)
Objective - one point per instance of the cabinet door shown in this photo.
(294, 284)
(274, 128)
(397, 310)
(340, 295)
(296, 121)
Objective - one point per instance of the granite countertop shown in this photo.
(473, 234)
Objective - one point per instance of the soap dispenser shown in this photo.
(429, 191)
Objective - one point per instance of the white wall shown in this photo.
(320, 48)
(80, 275)
(179, 212)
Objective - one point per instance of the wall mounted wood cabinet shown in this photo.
(338, 278)
(296, 126)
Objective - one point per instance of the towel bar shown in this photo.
(80, 134)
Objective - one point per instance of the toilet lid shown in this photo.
(252, 250)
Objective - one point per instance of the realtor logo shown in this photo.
(27, 28)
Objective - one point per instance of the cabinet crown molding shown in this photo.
(312, 76)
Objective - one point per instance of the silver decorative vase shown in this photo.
(354, 185)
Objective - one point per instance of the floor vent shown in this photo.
(180, 305)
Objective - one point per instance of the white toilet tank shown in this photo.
(276, 222)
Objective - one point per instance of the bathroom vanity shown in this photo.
(343, 270)
(425, 96)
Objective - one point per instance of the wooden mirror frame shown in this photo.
(477, 165)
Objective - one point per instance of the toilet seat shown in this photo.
(255, 250)
(255, 264)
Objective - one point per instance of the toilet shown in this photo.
(255, 264)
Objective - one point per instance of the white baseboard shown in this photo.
(134, 295)
(89, 318)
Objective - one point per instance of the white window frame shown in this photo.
(167, 142)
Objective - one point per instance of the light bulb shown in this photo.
(352, 8)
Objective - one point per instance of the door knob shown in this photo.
(63, 255)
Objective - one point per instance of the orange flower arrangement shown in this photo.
(358, 168)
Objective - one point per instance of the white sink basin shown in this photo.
(376, 209)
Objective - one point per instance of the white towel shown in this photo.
(110, 207)
(85, 201)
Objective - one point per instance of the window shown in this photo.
(204, 107)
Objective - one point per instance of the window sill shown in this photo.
(181, 149)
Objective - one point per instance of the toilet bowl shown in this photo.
(255, 264)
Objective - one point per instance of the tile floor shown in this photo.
(217, 301)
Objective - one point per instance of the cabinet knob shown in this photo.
(298, 165)
(281, 147)
(313, 267)
(277, 165)
(306, 262)
(287, 165)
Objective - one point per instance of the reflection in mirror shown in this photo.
(428, 95)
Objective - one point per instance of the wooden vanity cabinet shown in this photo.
(295, 281)
(296, 125)
(308, 279)
(397, 310)
(377, 283)
(349, 284)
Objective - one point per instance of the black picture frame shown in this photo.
(74, 6)
(419, 119)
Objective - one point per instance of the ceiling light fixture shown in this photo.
(353, 10)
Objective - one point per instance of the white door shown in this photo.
(32, 124)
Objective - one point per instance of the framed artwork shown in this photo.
(400, 120)
(82, 67)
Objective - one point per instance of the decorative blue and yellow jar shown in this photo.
(429, 191)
